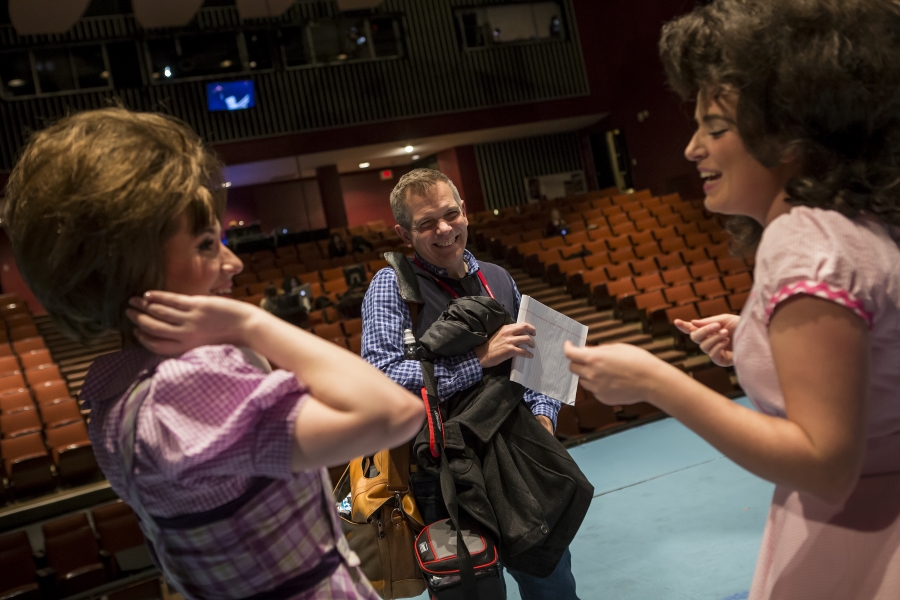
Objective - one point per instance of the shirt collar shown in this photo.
(471, 263)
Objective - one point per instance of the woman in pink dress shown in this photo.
(798, 134)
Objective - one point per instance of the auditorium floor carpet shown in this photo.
(671, 519)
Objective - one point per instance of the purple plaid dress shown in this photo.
(213, 433)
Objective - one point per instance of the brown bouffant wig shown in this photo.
(817, 78)
(90, 204)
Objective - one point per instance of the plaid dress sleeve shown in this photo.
(213, 414)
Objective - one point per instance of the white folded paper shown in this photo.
(548, 372)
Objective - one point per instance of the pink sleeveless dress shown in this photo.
(811, 549)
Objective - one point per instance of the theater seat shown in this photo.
(271, 274)
(19, 423)
(8, 363)
(42, 373)
(11, 380)
(338, 286)
(71, 450)
(678, 295)
(121, 537)
(17, 569)
(75, 558)
(35, 358)
(737, 301)
(640, 306)
(146, 590)
(27, 463)
(709, 289)
(48, 391)
(61, 412)
(15, 400)
(64, 525)
(22, 332)
(672, 260)
(352, 326)
(13, 308)
(329, 331)
(711, 308)
(19, 319)
(31, 343)
(606, 295)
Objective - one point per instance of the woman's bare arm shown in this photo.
(353, 410)
(821, 355)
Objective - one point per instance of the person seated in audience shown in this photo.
(798, 132)
(337, 247)
(290, 284)
(556, 226)
(270, 299)
(114, 218)
(360, 244)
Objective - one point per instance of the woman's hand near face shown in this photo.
(170, 324)
(714, 335)
(617, 374)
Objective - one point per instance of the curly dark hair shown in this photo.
(817, 78)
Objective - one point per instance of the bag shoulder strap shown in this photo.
(398, 470)
(409, 284)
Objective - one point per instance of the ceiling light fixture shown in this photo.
(167, 72)
(15, 82)
(408, 149)
(415, 157)
(364, 165)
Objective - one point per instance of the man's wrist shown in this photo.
(481, 353)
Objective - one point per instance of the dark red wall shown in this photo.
(619, 41)
(368, 198)
(240, 207)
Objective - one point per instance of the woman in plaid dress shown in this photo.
(221, 457)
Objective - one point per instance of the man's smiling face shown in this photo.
(438, 228)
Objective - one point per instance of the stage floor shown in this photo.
(671, 519)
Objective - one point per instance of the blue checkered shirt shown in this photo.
(385, 316)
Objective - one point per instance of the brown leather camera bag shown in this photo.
(384, 522)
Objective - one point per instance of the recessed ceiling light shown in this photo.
(167, 72)
(363, 165)
(415, 157)
(15, 82)
(225, 63)
(227, 184)
(409, 149)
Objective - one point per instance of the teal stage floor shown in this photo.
(671, 519)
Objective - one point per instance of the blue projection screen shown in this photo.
(230, 95)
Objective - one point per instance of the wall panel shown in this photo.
(434, 76)
(503, 166)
